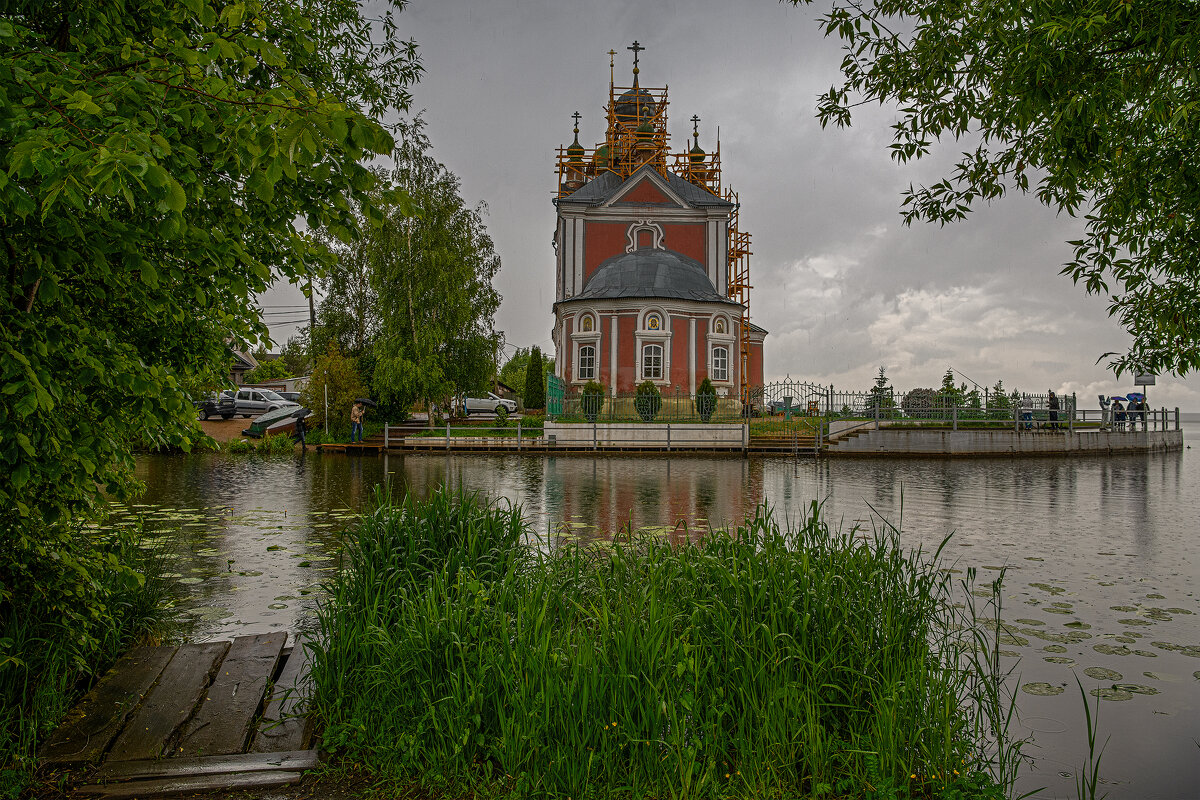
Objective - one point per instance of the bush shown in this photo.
(591, 400)
(648, 401)
(340, 374)
(706, 400)
(920, 403)
(535, 381)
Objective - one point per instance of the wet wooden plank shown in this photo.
(166, 787)
(170, 704)
(222, 724)
(95, 722)
(285, 724)
(292, 761)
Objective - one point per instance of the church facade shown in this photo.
(652, 276)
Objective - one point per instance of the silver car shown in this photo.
(252, 402)
(489, 404)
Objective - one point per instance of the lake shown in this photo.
(1101, 559)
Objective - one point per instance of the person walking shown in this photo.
(356, 422)
(301, 429)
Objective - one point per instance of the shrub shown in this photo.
(592, 400)
(706, 400)
(920, 403)
(648, 401)
(535, 381)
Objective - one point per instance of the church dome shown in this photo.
(637, 103)
(696, 154)
(649, 273)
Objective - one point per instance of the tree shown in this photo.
(1091, 105)
(334, 380)
(433, 275)
(514, 370)
(158, 162)
(272, 370)
(535, 381)
(294, 355)
(881, 396)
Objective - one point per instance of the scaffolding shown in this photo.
(637, 135)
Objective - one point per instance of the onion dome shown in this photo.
(575, 150)
(636, 103)
(601, 157)
(645, 131)
(696, 154)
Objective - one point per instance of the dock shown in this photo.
(189, 718)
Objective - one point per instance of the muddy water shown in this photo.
(1101, 557)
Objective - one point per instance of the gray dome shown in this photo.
(651, 273)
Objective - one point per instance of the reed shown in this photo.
(769, 660)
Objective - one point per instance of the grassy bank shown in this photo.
(71, 602)
(773, 661)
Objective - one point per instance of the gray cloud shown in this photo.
(841, 284)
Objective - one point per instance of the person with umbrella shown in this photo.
(1118, 412)
(357, 411)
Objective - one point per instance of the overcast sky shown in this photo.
(841, 285)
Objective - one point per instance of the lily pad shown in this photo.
(1103, 674)
(1183, 649)
(1059, 660)
(1054, 648)
(1041, 689)
(1135, 688)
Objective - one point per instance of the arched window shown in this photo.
(652, 362)
(587, 362)
(720, 363)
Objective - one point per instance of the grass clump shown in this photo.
(789, 661)
(72, 600)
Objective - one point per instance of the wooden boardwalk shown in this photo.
(197, 717)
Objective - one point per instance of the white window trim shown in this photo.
(729, 342)
(712, 361)
(579, 340)
(661, 379)
(595, 345)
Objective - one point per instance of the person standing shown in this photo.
(301, 429)
(356, 422)
(1052, 404)
(1118, 412)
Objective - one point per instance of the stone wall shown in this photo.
(676, 435)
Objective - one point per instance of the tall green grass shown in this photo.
(781, 661)
(68, 610)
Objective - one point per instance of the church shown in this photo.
(652, 267)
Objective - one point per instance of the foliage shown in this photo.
(706, 400)
(335, 372)
(756, 662)
(999, 404)
(591, 400)
(535, 381)
(513, 372)
(1091, 105)
(433, 277)
(68, 626)
(295, 357)
(266, 371)
(648, 401)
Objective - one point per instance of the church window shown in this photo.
(652, 362)
(586, 323)
(587, 362)
(720, 364)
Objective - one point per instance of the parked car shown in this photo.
(252, 402)
(293, 396)
(216, 404)
(489, 404)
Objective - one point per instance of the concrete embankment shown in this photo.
(917, 442)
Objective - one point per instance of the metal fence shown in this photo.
(670, 406)
(814, 400)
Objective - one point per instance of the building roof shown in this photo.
(604, 186)
(647, 273)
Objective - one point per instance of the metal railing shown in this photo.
(670, 406)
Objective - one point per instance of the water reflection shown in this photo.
(1101, 556)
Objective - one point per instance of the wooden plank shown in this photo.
(293, 761)
(222, 724)
(165, 787)
(95, 722)
(285, 724)
(170, 703)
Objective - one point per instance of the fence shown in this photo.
(926, 405)
(670, 406)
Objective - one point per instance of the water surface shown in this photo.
(1100, 554)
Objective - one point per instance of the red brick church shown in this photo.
(652, 268)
